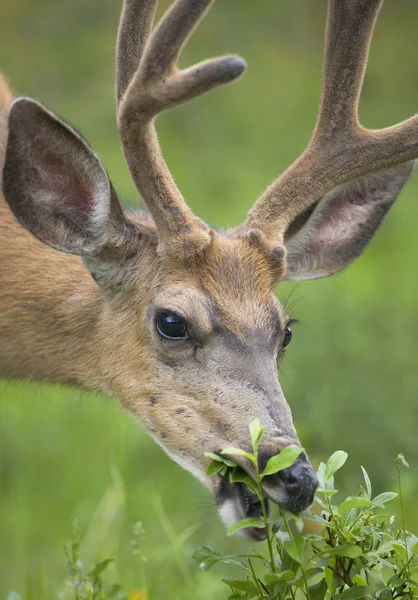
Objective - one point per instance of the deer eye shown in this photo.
(287, 338)
(170, 325)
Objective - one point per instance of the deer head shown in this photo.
(190, 331)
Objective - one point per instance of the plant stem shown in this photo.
(253, 573)
(265, 515)
(334, 520)
(406, 566)
(305, 581)
(267, 526)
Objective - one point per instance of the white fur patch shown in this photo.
(228, 513)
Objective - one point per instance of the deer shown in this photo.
(177, 321)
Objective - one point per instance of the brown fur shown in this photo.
(92, 320)
(5, 102)
(60, 327)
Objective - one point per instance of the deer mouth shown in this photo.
(236, 502)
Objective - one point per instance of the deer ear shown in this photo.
(328, 238)
(57, 187)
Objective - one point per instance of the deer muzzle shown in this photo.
(293, 489)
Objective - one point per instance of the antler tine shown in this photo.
(347, 41)
(148, 82)
(134, 28)
(340, 148)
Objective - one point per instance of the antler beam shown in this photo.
(148, 81)
(340, 148)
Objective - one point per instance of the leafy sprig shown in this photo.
(354, 552)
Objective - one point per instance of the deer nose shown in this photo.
(293, 476)
(293, 488)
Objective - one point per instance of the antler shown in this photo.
(340, 148)
(148, 82)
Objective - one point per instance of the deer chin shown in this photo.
(236, 502)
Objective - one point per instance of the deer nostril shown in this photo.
(293, 476)
(293, 488)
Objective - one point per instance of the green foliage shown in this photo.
(350, 374)
(356, 553)
(87, 584)
(95, 582)
(281, 461)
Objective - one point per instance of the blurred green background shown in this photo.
(351, 374)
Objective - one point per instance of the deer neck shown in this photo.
(55, 323)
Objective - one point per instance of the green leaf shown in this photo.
(313, 571)
(282, 536)
(207, 564)
(329, 493)
(297, 520)
(100, 567)
(317, 519)
(239, 452)
(256, 432)
(355, 593)
(210, 561)
(205, 552)
(359, 580)
(213, 456)
(214, 467)
(281, 461)
(332, 580)
(220, 459)
(395, 581)
(381, 499)
(387, 563)
(335, 462)
(240, 476)
(318, 591)
(356, 502)
(386, 595)
(276, 525)
(385, 548)
(348, 550)
(400, 550)
(413, 544)
(243, 525)
(274, 578)
(207, 557)
(367, 482)
(244, 586)
(296, 548)
(321, 475)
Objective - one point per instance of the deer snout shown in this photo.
(293, 488)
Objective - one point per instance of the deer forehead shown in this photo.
(230, 285)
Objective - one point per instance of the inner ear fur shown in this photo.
(337, 229)
(58, 188)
